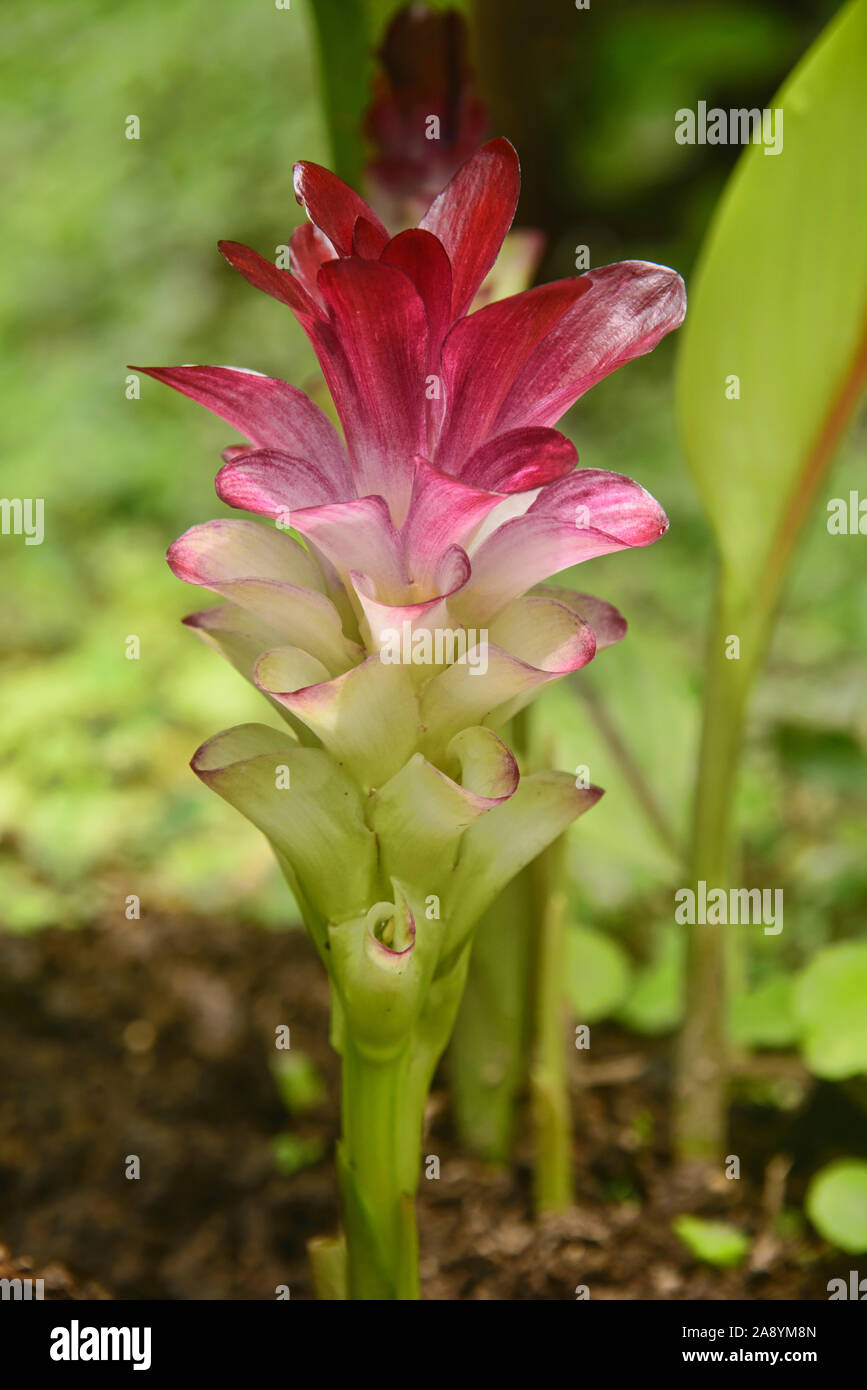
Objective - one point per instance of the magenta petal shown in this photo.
(357, 535)
(443, 512)
(608, 624)
(382, 618)
(270, 413)
(309, 249)
(422, 257)
(525, 360)
(589, 513)
(472, 215)
(264, 275)
(520, 460)
(333, 205)
(627, 309)
(367, 240)
(275, 484)
(452, 573)
(374, 359)
(484, 353)
(233, 452)
(522, 553)
(605, 501)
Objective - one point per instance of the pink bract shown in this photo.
(450, 494)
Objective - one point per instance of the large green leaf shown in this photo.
(773, 362)
(779, 301)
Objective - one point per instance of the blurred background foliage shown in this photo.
(111, 258)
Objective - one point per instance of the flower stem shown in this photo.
(701, 1086)
(549, 1082)
(379, 1158)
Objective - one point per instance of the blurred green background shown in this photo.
(110, 251)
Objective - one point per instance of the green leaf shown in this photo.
(714, 1242)
(765, 1017)
(779, 301)
(293, 1153)
(836, 1204)
(599, 973)
(654, 1005)
(299, 1082)
(772, 364)
(831, 1002)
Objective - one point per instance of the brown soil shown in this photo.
(154, 1039)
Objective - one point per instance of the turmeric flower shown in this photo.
(394, 615)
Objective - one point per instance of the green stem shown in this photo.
(488, 1052)
(379, 1153)
(345, 66)
(549, 1080)
(379, 1159)
(701, 1081)
(327, 1255)
(511, 1029)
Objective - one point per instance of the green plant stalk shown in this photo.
(327, 1255)
(549, 1080)
(345, 65)
(379, 1155)
(379, 1161)
(510, 1036)
(487, 1057)
(701, 1086)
